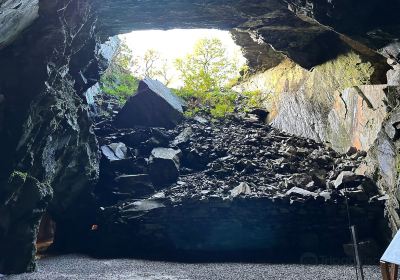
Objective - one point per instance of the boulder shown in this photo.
(139, 185)
(296, 191)
(164, 166)
(115, 151)
(183, 137)
(351, 151)
(348, 179)
(242, 189)
(154, 105)
(393, 77)
(116, 159)
(392, 125)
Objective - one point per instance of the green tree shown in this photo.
(117, 80)
(152, 65)
(207, 68)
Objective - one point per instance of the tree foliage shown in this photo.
(208, 75)
(207, 68)
(117, 79)
(151, 65)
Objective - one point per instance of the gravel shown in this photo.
(83, 267)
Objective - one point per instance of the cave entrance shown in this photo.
(166, 161)
(45, 237)
(155, 52)
(184, 60)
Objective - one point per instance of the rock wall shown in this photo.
(15, 17)
(57, 149)
(23, 202)
(252, 228)
(316, 104)
(319, 104)
(383, 161)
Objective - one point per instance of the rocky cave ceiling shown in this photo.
(288, 26)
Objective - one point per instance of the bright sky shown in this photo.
(175, 43)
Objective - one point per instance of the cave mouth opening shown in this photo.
(181, 59)
(155, 52)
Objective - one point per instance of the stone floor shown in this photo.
(81, 267)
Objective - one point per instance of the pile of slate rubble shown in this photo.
(230, 188)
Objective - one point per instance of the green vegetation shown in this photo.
(254, 99)
(118, 80)
(207, 73)
(218, 104)
(207, 68)
(119, 83)
(208, 76)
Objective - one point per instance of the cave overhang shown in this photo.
(266, 30)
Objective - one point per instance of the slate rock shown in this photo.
(139, 185)
(326, 195)
(393, 77)
(392, 126)
(153, 105)
(242, 189)
(115, 151)
(164, 166)
(351, 151)
(349, 179)
(117, 160)
(296, 191)
(200, 120)
(183, 137)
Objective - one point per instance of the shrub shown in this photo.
(119, 83)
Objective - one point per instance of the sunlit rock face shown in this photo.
(15, 16)
(383, 161)
(354, 120)
(329, 104)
